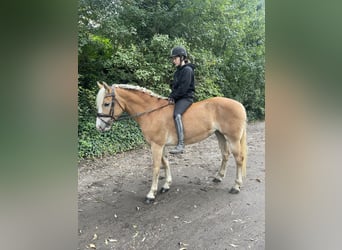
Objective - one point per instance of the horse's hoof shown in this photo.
(164, 190)
(234, 191)
(149, 200)
(216, 180)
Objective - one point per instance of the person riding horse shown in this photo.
(183, 91)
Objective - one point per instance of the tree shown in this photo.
(126, 41)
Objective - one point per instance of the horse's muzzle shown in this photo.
(102, 125)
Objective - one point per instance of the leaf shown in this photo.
(233, 245)
(182, 244)
(95, 237)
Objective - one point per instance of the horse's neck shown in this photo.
(136, 102)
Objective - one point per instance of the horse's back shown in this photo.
(221, 114)
(220, 106)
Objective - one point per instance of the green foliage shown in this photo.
(127, 41)
(124, 135)
(93, 59)
(207, 74)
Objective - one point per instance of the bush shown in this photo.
(123, 136)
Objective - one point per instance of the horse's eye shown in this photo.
(106, 104)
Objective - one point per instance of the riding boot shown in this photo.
(179, 127)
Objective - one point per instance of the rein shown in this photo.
(120, 118)
(143, 113)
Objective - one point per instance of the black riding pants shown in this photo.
(181, 106)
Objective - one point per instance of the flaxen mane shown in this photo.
(141, 89)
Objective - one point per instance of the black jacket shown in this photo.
(183, 85)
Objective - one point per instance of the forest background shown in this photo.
(129, 41)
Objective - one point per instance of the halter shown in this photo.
(111, 112)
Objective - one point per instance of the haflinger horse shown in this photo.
(223, 116)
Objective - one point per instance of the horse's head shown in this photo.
(106, 108)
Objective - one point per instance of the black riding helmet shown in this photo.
(178, 51)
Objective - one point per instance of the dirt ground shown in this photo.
(195, 214)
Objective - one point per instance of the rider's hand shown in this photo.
(171, 100)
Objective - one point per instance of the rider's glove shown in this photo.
(171, 100)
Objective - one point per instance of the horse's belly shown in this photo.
(195, 136)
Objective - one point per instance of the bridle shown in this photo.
(111, 111)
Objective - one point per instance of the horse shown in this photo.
(223, 116)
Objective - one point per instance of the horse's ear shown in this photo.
(106, 86)
(100, 85)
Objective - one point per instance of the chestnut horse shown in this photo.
(223, 116)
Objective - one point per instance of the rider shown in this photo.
(183, 90)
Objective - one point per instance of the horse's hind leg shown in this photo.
(239, 149)
(168, 177)
(224, 146)
(239, 159)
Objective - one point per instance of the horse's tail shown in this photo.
(243, 145)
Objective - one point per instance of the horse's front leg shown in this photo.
(157, 153)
